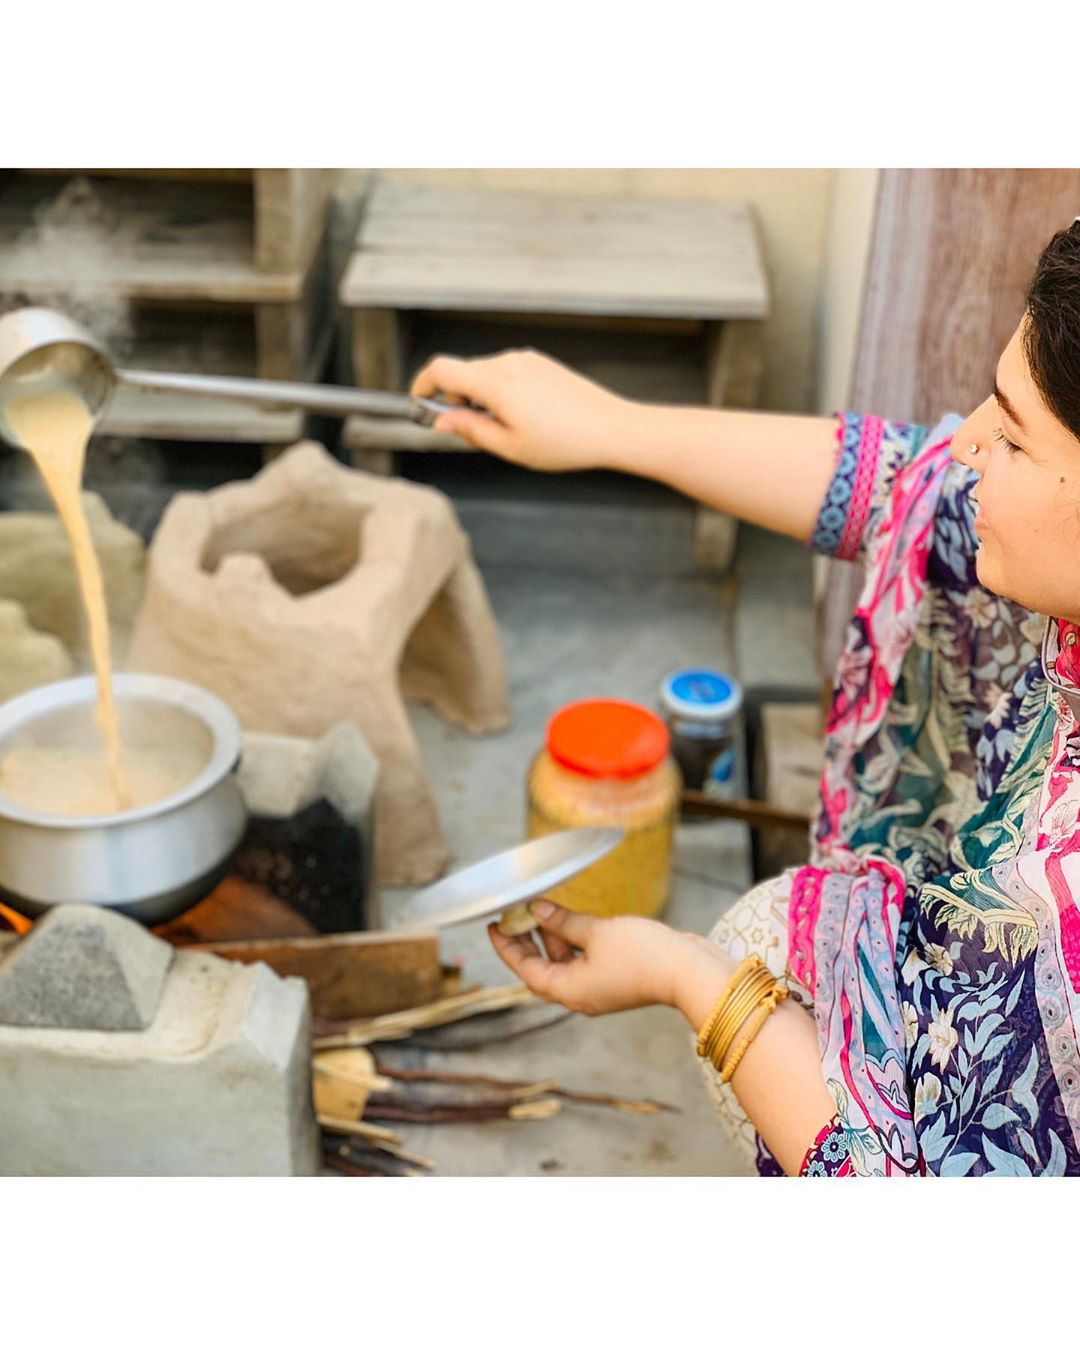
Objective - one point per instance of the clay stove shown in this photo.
(315, 594)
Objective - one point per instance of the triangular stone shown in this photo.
(84, 967)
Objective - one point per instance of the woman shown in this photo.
(932, 945)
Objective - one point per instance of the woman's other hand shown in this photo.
(596, 966)
(536, 412)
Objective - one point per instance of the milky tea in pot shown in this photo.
(54, 426)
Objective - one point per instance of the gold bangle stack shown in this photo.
(751, 995)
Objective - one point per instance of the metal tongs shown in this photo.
(41, 349)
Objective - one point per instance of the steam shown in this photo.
(68, 258)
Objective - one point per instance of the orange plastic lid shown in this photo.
(608, 739)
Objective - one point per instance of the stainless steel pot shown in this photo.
(151, 863)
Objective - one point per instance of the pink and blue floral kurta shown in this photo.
(936, 930)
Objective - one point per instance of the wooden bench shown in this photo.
(436, 268)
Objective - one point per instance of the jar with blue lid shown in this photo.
(702, 709)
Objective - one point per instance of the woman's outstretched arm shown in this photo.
(772, 470)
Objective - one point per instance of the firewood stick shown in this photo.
(417, 1160)
(642, 1106)
(539, 1110)
(374, 1083)
(366, 1163)
(355, 1061)
(364, 1150)
(443, 1115)
(377, 1136)
(339, 1125)
(516, 1089)
(422, 1096)
(489, 1030)
(387, 1027)
(350, 1169)
(645, 1106)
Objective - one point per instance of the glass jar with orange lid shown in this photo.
(608, 763)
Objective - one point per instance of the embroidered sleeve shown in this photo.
(870, 453)
(829, 1155)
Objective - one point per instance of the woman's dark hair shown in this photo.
(1052, 330)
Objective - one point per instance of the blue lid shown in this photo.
(701, 693)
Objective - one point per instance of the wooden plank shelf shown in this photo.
(619, 268)
(217, 241)
(433, 248)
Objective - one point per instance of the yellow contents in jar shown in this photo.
(606, 764)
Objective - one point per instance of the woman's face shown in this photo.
(1028, 522)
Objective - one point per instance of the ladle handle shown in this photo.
(330, 401)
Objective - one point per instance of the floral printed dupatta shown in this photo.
(936, 927)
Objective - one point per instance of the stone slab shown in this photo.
(84, 968)
(219, 1085)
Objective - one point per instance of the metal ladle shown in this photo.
(42, 350)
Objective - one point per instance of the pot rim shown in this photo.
(210, 710)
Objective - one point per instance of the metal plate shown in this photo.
(504, 880)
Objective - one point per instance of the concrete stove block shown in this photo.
(83, 967)
(218, 1085)
(316, 594)
(28, 658)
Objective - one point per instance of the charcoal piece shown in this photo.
(314, 861)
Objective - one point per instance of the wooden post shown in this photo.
(290, 215)
(379, 349)
(378, 339)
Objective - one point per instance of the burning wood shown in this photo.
(12, 920)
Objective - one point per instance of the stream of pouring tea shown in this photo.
(55, 428)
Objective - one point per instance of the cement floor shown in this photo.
(594, 588)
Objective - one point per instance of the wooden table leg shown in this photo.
(378, 350)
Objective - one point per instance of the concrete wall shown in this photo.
(792, 206)
(847, 251)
